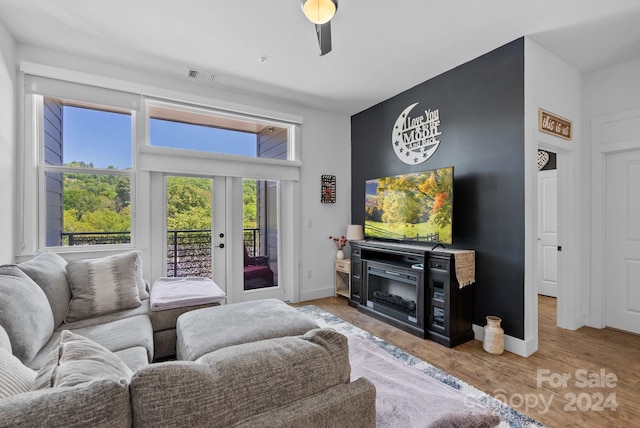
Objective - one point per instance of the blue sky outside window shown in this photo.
(166, 133)
(103, 138)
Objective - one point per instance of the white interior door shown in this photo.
(622, 237)
(548, 233)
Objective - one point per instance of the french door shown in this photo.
(253, 254)
(225, 228)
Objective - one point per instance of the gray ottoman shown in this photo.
(205, 330)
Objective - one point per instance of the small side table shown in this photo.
(343, 277)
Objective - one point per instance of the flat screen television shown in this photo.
(415, 207)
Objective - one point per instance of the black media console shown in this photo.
(413, 288)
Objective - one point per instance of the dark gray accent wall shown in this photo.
(481, 107)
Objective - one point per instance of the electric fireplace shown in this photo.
(396, 290)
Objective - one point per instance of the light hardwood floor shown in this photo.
(534, 385)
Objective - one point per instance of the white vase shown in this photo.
(493, 341)
(340, 255)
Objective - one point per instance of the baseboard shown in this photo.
(318, 293)
(524, 348)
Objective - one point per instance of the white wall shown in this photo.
(553, 85)
(325, 148)
(8, 140)
(611, 90)
(330, 154)
(610, 94)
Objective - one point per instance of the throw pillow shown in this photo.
(78, 360)
(143, 285)
(104, 285)
(15, 377)
(25, 313)
(5, 342)
(48, 270)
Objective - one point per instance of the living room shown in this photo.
(333, 142)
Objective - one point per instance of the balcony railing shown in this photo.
(188, 251)
(95, 238)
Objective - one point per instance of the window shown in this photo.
(216, 132)
(86, 165)
(78, 190)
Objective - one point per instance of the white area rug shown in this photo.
(406, 397)
(413, 393)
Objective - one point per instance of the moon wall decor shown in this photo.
(415, 139)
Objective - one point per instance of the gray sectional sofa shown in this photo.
(77, 345)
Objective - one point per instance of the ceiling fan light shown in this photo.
(319, 11)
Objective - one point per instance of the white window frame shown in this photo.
(32, 231)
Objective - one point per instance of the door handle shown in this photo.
(220, 246)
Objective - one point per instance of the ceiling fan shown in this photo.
(320, 13)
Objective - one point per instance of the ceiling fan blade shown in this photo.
(323, 31)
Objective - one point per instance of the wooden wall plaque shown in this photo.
(554, 125)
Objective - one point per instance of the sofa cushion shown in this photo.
(350, 405)
(5, 342)
(135, 358)
(115, 335)
(238, 382)
(15, 377)
(78, 360)
(25, 313)
(143, 309)
(48, 270)
(104, 285)
(99, 404)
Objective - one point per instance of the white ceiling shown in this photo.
(380, 47)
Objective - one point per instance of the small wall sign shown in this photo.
(328, 189)
(554, 125)
(415, 139)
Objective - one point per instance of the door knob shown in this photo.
(220, 246)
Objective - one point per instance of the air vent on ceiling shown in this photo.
(202, 76)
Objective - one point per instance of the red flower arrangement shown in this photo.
(340, 242)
